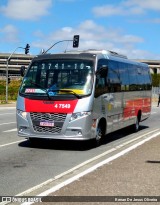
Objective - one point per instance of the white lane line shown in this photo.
(4, 145)
(64, 173)
(7, 108)
(135, 139)
(91, 169)
(9, 113)
(12, 130)
(7, 123)
(82, 164)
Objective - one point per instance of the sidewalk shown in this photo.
(10, 104)
(133, 174)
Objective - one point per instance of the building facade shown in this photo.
(154, 65)
(15, 63)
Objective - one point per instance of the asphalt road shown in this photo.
(23, 166)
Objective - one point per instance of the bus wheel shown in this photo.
(99, 135)
(136, 125)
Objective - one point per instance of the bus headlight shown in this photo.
(22, 114)
(79, 115)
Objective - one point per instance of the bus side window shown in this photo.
(124, 78)
(133, 77)
(140, 78)
(113, 77)
(101, 81)
(147, 78)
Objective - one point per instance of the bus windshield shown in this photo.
(58, 77)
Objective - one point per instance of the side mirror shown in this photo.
(102, 71)
(22, 71)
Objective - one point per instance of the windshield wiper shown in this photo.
(71, 91)
(42, 88)
(68, 91)
(55, 90)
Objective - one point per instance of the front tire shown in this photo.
(100, 133)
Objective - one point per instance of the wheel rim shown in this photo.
(137, 124)
(98, 134)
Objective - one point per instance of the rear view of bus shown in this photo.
(81, 96)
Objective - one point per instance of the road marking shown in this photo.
(7, 108)
(83, 164)
(70, 180)
(7, 123)
(12, 130)
(134, 139)
(94, 167)
(4, 145)
(10, 113)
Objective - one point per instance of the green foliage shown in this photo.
(155, 80)
(13, 88)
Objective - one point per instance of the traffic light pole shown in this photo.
(8, 59)
(75, 43)
(7, 82)
(55, 44)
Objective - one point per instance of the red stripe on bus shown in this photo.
(133, 106)
(66, 106)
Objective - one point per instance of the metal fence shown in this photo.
(155, 92)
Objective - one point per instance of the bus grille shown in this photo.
(60, 117)
(52, 130)
(52, 117)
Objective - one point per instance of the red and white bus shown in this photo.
(81, 95)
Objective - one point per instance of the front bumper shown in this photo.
(78, 129)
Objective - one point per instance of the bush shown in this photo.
(13, 88)
(155, 80)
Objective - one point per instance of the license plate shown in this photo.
(47, 124)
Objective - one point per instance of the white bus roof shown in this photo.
(112, 55)
(95, 51)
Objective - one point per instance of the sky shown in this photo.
(130, 27)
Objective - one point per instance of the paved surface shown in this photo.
(10, 104)
(134, 174)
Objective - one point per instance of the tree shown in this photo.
(155, 80)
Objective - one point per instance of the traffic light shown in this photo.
(27, 48)
(75, 41)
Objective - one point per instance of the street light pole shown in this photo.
(7, 82)
(7, 61)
